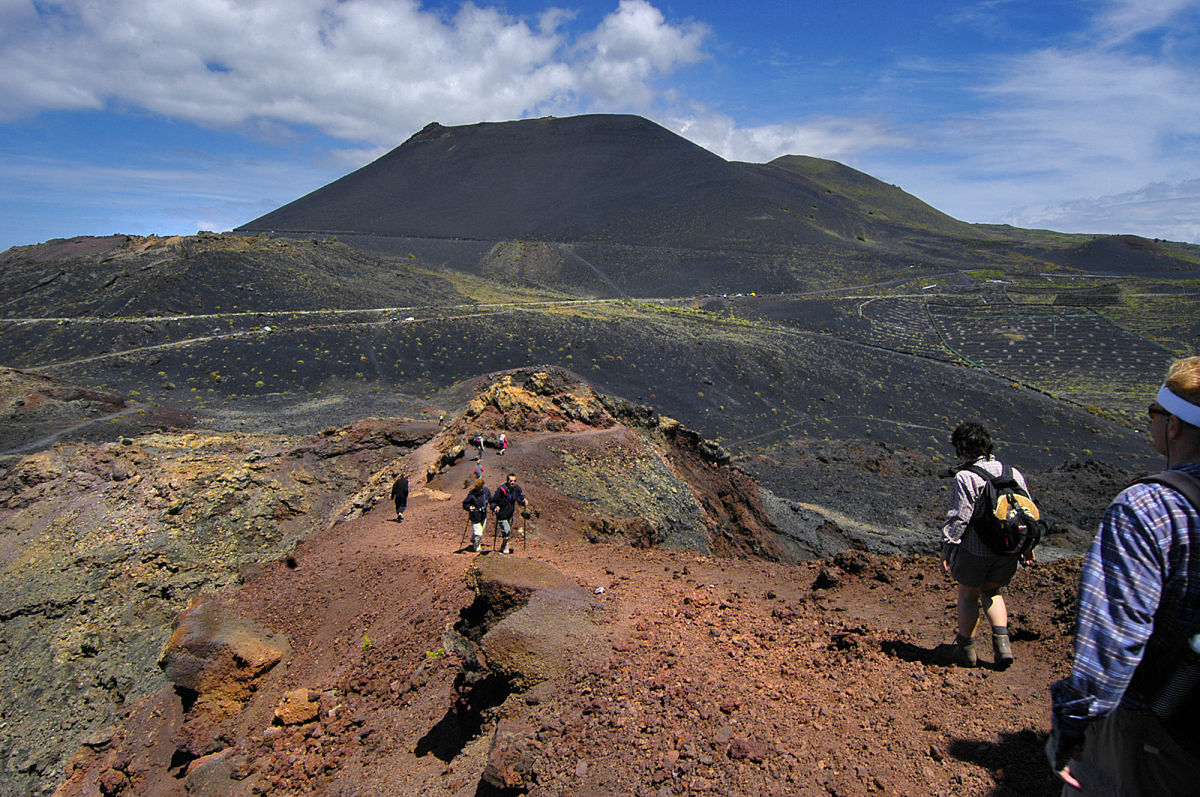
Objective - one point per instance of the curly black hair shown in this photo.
(971, 440)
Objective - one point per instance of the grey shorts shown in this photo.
(975, 571)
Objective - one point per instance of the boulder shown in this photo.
(298, 707)
(217, 656)
(510, 764)
(534, 618)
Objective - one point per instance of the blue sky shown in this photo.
(145, 116)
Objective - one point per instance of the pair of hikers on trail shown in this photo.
(503, 503)
(478, 442)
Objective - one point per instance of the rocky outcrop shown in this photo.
(106, 544)
(537, 400)
(214, 658)
(524, 621)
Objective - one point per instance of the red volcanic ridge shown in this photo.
(595, 178)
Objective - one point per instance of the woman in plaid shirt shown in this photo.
(1139, 602)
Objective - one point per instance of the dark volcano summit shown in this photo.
(598, 178)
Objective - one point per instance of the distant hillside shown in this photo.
(617, 204)
(126, 275)
(864, 196)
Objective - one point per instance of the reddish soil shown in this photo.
(700, 674)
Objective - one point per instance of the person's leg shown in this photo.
(993, 605)
(996, 612)
(968, 619)
(968, 610)
(505, 531)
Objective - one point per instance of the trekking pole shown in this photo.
(463, 539)
(495, 532)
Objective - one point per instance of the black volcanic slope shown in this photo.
(597, 178)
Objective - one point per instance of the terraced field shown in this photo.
(1069, 352)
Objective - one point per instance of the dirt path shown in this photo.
(734, 676)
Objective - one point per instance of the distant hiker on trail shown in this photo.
(505, 501)
(478, 443)
(476, 504)
(478, 472)
(400, 496)
(1127, 720)
(980, 572)
(503, 443)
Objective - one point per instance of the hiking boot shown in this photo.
(475, 546)
(964, 652)
(1002, 649)
(506, 549)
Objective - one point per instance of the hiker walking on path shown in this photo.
(400, 496)
(503, 443)
(1120, 724)
(980, 572)
(476, 503)
(504, 502)
(478, 443)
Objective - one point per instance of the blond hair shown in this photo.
(478, 485)
(1183, 379)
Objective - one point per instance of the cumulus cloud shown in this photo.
(362, 70)
(631, 46)
(835, 138)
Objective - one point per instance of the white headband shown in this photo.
(1181, 408)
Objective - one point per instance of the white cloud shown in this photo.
(361, 70)
(1123, 20)
(632, 46)
(1159, 210)
(835, 138)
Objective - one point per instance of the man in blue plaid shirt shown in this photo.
(1139, 601)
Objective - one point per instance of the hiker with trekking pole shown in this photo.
(504, 503)
(476, 504)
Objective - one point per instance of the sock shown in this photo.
(1000, 629)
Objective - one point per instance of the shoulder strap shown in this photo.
(1188, 486)
(980, 472)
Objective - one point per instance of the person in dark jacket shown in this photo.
(504, 502)
(400, 496)
(476, 503)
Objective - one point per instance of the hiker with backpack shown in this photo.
(978, 551)
(1127, 719)
(476, 503)
(504, 502)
